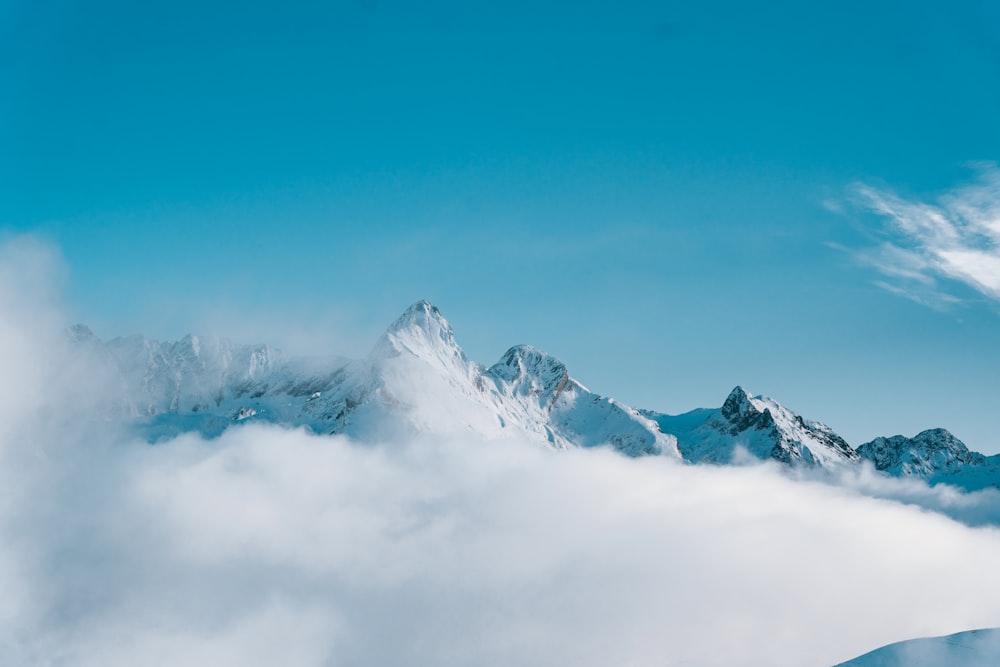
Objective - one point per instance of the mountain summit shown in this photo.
(760, 426)
(530, 371)
(934, 455)
(421, 331)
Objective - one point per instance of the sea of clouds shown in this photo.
(276, 546)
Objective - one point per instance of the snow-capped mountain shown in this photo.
(418, 380)
(759, 425)
(196, 383)
(766, 429)
(415, 380)
(934, 455)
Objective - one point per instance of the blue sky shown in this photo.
(672, 199)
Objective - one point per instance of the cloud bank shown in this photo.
(955, 239)
(270, 545)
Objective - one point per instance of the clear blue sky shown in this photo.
(673, 198)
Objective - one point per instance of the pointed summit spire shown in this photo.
(738, 403)
(738, 394)
(422, 331)
(422, 314)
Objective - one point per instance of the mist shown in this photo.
(270, 545)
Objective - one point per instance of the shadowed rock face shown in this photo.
(770, 430)
(740, 414)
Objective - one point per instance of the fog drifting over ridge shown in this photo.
(272, 545)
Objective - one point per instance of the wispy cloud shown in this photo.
(929, 247)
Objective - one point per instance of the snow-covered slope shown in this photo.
(934, 455)
(531, 389)
(975, 648)
(415, 380)
(761, 426)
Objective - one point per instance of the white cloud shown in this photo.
(438, 553)
(957, 239)
(270, 545)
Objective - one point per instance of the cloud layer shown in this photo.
(956, 239)
(270, 545)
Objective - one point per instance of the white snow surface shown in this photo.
(974, 648)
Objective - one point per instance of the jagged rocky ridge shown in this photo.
(761, 426)
(934, 455)
(418, 380)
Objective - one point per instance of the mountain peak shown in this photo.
(422, 319)
(928, 453)
(422, 314)
(79, 333)
(422, 331)
(940, 437)
(738, 404)
(738, 393)
(770, 430)
(526, 362)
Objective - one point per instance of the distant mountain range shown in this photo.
(417, 380)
